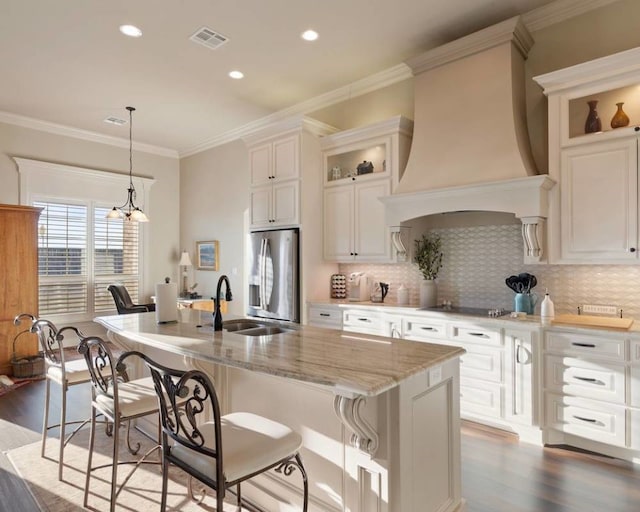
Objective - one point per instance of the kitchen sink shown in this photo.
(239, 325)
(262, 331)
(253, 328)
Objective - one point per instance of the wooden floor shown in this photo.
(499, 473)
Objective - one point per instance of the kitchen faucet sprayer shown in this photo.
(217, 314)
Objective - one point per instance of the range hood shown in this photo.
(470, 148)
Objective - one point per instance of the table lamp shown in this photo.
(185, 263)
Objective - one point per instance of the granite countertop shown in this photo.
(527, 321)
(348, 363)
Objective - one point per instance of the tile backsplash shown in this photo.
(478, 259)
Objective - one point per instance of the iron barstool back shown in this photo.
(224, 451)
(60, 372)
(120, 400)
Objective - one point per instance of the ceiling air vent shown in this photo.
(209, 38)
(115, 120)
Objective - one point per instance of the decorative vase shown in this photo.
(428, 293)
(619, 119)
(592, 124)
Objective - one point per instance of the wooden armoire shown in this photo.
(18, 278)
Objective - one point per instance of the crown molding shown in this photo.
(559, 11)
(371, 83)
(76, 133)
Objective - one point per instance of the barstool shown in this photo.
(119, 401)
(58, 371)
(224, 451)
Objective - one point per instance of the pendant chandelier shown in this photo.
(129, 211)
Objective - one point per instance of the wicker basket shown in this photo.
(27, 366)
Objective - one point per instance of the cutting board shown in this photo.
(594, 321)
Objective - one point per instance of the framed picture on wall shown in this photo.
(207, 254)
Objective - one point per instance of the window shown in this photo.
(80, 252)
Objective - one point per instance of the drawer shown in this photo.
(478, 397)
(467, 333)
(585, 345)
(421, 329)
(362, 321)
(325, 317)
(594, 420)
(599, 381)
(481, 362)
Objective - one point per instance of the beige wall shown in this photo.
(162, 232)
(214, 198)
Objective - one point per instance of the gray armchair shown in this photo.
(123, 301)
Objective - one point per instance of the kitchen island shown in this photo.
(379, 416)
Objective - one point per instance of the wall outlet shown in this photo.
(601, 310)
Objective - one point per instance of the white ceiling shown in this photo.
(65, 62)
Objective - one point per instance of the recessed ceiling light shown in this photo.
(130, 30)
(309, 35)
(236, 74)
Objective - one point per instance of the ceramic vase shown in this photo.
(619, 119)
(593, 123)
(428, 293)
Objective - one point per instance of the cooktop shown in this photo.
(461, 310)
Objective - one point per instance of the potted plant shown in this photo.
(428, 256)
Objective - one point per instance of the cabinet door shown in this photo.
(372, 237)
(286, 158)
(338, 223)
(285, 203)
(260, 164)
(519, 381)
(260, 206)
(599, 201)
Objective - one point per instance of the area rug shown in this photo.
(140, 494)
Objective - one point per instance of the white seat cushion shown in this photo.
(75, 372)
(137, 397)
(250, 443)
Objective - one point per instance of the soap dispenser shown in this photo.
(546, 308)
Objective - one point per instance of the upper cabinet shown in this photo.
(360, 166)
(275, 160)
(594, 125)
(276, 157)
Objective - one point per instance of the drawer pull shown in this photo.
(325, 314)
(588, 345)
(428, 328)
(364, 320)
(589, 379)
(588, 420)
(478, 334)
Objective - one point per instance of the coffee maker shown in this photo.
(359, 287)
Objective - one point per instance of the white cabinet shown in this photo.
(599, 201)
(325, 315)
(274, 205)
(354, 227)
(363, 320)
(275, 160)
(586, 383)
(360, 166)
(594, 211)
(275, 182)
(521, 380)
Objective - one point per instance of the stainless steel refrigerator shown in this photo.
(273, 275)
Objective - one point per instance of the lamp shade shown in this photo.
(185, 260)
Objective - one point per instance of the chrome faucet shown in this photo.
(217, 315)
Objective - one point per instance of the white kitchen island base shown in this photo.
(394, 451)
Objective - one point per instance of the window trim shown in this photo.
(40, 180)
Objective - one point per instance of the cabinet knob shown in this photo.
(352, 178)
(637, 128)
(350, 254)
(355, 253)
(632, 249)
